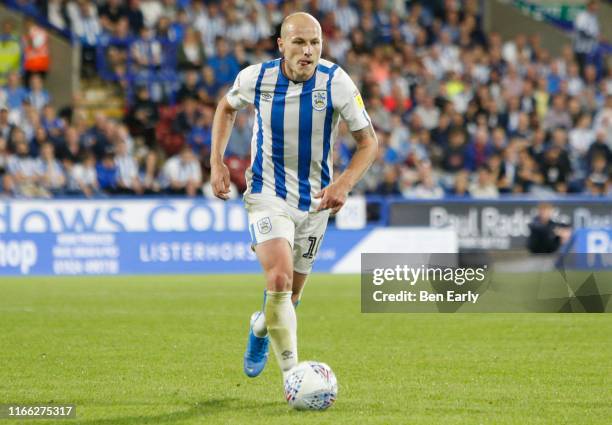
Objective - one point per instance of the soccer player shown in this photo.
(298, 101)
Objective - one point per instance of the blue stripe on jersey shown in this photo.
(257, 182)
(325, 177)
(278, 133)
(304, 147)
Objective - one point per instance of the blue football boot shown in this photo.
(256, 354)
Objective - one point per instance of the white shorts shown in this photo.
(271, 218)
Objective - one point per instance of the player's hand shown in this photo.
(332, 197)
(220, 181)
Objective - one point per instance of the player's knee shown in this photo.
(279, 280)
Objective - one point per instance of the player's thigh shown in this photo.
(276, 259)
(272, 234)
(308, 238)
(269, 219)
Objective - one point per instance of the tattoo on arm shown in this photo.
(364, 133)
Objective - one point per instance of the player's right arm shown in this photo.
(223, 123)
(241, 94)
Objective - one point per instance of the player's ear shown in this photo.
(280, 43)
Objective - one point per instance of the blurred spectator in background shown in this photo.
(106, 171)
(224, 63)
(128, 181)
(191, 54)
(485, 185)
(14, 94)
(143, 116)
(428, 186)
(37, 95)
(85, 25)
(5, 182)
(461, 186)
(586, 33)
(36, 55)
(182, 174)
(240, 140)
(6, 127)
(25, 173)
(546, 235)
(10, 51)
(52, 177)
(598, 180)
(70, 147)
(83, 178)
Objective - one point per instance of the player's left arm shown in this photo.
(334, 196)
(348, 102)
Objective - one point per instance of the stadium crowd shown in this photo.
(458, 112)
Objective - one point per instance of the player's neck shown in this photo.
(287, 73)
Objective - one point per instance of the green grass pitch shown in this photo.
(168, 350)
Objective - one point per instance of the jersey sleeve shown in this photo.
(347, 100)
(242, 92)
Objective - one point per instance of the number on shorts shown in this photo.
(313, 247)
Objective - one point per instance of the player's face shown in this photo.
(301, 48)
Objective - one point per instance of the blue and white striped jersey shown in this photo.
(294, 128)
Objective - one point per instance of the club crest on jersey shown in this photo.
(264, 225)
(319, 100)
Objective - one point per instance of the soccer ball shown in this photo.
(311, 386)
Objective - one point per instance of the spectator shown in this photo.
(52, 177)
(190, 86)
(586, 33)
(455, 153)
(546, 235)
(106, 171)
(36, 55)
(57, 14)
(556, 170)
(10, 52)
(200, 136)
(479, 150)
(224, 63)
(25, 173)
(15, 94)
(528, 175)
(5, 182)
(37, 96)
(599, 147)
(598, 180)
(191, 54)
(485, 185)
(461, 184)
(143, 116)
(127, 171)
(428, 186)
(110, 13)
(189, 115)
(146, 52)
(389, 184)
(182, 174)
(70, 148)
(86, 27)
(83, 177)
(557, 115)
(6, 127)
(240, 139)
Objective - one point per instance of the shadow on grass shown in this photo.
(199, 409)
